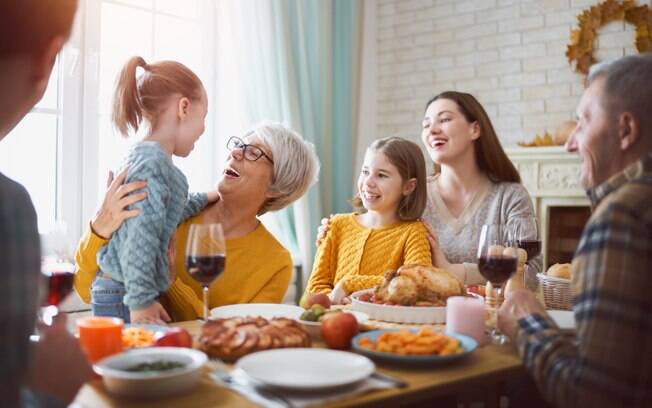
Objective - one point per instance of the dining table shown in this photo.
(480, 376)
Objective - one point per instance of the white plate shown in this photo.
(151, 384)
(398, 314)
(266, 310)
(314, 328)
(565, 319)
(305, 368)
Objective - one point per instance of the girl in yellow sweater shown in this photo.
(360, 247)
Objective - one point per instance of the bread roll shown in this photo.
(560, 271)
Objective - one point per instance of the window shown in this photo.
(63, 149)
(29, 153)
(155, 30)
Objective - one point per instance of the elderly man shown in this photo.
(608, 360)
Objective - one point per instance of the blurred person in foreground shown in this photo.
(52, 370)
(607, 360)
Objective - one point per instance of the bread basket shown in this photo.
(556, 292)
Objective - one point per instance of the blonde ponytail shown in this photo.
(127, 108)
(145, 97)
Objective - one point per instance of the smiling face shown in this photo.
(593, 139)
(446, 133)
(192, 126)
(380, 185)
(250, 179)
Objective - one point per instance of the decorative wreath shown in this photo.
(580, 48)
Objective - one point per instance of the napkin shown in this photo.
(240, 382)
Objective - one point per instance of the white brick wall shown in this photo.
(508, 53)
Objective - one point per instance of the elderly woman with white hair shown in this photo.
(267, 169)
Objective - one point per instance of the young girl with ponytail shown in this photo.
(171, 101)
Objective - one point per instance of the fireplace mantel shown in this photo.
(551, 175)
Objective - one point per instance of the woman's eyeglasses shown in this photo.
(250, 152)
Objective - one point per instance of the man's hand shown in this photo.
(59, 366)
(152, 314)
(517, 305)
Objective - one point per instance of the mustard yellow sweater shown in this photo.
(359, 256)
(258, 270)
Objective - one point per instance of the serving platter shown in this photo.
(397, 313)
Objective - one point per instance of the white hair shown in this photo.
(296, 165)
(628, 87)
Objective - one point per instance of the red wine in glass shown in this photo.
(205, 256)
(498, 268)
(532, 247)
(205, 269)
(59, 287)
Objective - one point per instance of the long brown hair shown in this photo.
(144, 97)
(408, 159)
(489, 154)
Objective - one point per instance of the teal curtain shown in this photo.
(299, 64)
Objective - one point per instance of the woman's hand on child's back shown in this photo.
(438, 258)
(114, 210)
(323, 229)
(152, 314)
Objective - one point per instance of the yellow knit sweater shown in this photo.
(359, 256)
(258, 270)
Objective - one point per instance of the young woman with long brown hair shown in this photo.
(474, 183)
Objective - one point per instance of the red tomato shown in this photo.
(175, 337)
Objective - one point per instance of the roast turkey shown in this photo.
(416, 285)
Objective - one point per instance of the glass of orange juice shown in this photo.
(100, 336)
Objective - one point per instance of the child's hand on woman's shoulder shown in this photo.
(213, 196)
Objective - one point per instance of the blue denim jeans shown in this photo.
(106, 298)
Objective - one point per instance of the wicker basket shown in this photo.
(556, 292)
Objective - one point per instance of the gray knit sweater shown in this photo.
(136, 255)
(497, 203)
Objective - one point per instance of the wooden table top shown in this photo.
(489, 364)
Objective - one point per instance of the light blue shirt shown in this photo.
(136, 255)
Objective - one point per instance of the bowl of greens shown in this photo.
(153, 372)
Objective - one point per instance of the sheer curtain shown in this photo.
(295, 62)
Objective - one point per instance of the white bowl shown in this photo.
(398, 314)
(151, 384)
(314, 328)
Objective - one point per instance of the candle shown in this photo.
(100, 336)
(466, 315)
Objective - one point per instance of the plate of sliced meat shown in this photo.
(231, 338)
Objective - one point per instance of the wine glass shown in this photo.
(57, 269)
(205, 256)
(497, 261)
(525, 231)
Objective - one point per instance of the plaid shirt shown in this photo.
(607, 362)
(20, 264)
